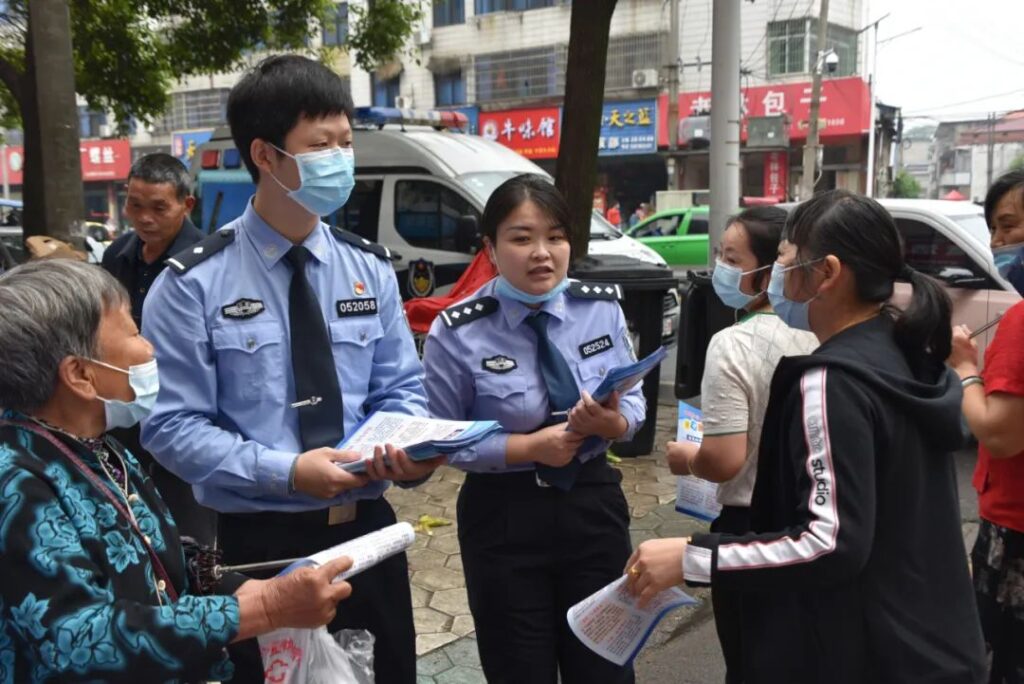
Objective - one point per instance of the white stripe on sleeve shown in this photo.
(697, 564)
(820, 537)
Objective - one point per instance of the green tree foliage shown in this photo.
(906, 186)
(1018, 163)
(128, 53)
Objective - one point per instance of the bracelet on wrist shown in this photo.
(972, 380)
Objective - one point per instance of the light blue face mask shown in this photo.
(144, 380)
(506, 289)
(793, 314)
(326, 179)
(726, 281)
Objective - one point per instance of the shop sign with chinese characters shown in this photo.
(102, 160)
(845, 107)
(776, 175)
(533, 133)
(628, 128)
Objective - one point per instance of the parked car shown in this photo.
(679, 236)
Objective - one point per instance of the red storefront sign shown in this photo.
(533, 133)
(776, 175)
(102, 160)
(845, 107)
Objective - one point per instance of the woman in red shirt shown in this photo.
(993, 405)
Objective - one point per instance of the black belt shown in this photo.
(333, 515)
(595, 471)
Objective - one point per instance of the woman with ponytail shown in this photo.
(855, 570)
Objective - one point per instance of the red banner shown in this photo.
(533, 133)
(845, 107)
(102, 160)
(776, 175)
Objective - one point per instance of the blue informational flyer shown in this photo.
(695, 497)
(622, 378)
(421, 438)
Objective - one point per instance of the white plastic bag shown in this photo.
(313, 656)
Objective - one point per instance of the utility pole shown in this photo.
(811, 148)
(50, 79)
(725, 116)
(870, 189)
(991, 147)
(673, 95)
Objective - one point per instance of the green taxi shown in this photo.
(679, 236)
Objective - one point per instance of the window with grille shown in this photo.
(195, 109)
(488, 6)
(449, 12)
(841, 39)
(519, 74)
(335, 29)
(786, 49)
(630, 53)
(385, 91)
(449, 89)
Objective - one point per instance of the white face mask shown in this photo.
(145, 382)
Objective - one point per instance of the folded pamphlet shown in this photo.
(421, 438)
(365, 551)
(695, 497)
(622, 378)
(612, 625)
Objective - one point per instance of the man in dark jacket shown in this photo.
(158, 204)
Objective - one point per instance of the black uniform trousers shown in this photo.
(728, 604)
(529, 554)
(191, 518)
(381, 601)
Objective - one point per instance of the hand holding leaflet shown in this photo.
(695, 497)
(365, 551)
(610, 623)
(623, 378)
(421, 438)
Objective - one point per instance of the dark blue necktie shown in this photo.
(562, 395)
(317, 392)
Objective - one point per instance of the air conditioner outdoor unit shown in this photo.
(106, 130)
(645, 78)
(402, 102)
(423, 36)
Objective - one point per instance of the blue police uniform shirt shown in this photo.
(487, 369)
(223, 419)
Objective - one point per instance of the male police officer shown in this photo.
(275, 337)
(158, 203)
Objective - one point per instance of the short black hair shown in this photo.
(764, 232)
(1012, 181)
(272, 97)
(161, 167)
(507, 197)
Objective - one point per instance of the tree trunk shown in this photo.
(576, 168)
(52, 179)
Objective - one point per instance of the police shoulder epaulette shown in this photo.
(201, 251)
(595, 291)
(467, 312)
(361, 242)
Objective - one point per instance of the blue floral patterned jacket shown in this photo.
(77, 595)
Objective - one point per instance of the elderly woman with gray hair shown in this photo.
(95, 584)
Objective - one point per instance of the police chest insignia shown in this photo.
(500, 364)
(467, 312)
(595, 291)
(366, 306)
(601, 344)
(243, 308)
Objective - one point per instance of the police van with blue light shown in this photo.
(421, 186)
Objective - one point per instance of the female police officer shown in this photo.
(542, 520)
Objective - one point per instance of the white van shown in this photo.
(420, 191)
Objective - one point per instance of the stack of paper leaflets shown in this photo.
(421, 438)
(622, 378)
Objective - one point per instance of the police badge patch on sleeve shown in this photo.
(499, 364)
(366, 306)
(243, 308)
(601, 344)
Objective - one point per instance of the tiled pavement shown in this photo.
(444, 628)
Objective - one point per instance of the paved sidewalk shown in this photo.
(444, 628)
